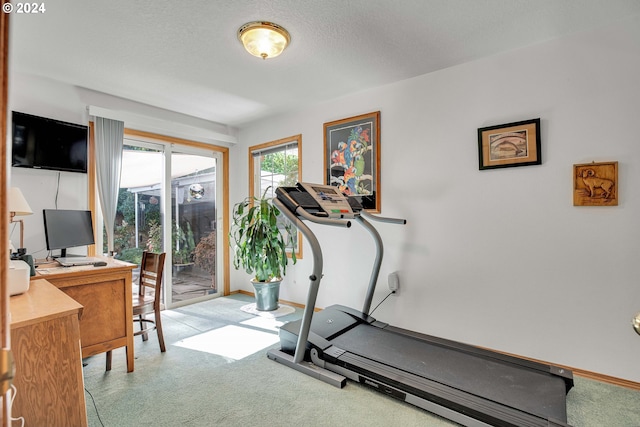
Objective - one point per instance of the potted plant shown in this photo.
(183, 243)
(259, 245)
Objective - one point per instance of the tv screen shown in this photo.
(67, 228)
(44, 143)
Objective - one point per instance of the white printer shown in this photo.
(19, 276)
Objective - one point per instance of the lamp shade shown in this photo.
(18, 205)
(264, 39)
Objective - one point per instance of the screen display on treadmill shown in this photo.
(325, 190)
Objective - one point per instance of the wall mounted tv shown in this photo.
(44, 143)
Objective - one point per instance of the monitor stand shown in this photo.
(63, 254)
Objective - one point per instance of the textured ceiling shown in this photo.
(184, 56)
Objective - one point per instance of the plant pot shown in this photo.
(267, 294)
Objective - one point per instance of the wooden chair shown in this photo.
(144, 302)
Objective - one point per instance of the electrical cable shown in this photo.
(95, 407)
(57, 191)
(13, 397)
(383, 300)
(35, 252)
(13, 228)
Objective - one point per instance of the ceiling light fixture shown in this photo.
(264, 39)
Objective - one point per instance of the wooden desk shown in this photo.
(45, 339)
(106, 294)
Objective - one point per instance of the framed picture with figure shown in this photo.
(352, 158)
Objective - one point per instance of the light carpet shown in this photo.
(198, 385)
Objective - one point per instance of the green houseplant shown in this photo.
(183, 240)
(259, 245)
(181, 258)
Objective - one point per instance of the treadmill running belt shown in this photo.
(500, 381)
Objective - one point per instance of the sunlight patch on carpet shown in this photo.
(233, 342)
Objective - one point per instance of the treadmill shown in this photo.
(463, 383)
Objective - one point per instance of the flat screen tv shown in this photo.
(67, 229)
(44, 143)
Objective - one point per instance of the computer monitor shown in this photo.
(67, 229)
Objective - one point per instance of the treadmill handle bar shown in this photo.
(316, 274)
(373, 217)
(375, 272)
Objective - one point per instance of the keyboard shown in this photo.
(77, 260)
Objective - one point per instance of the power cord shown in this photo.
(57, 190)
(94, 406)
(14, 391)
(13, 228)
(383, 300)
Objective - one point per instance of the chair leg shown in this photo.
(159, 330)
(109, 360)
(145, 336)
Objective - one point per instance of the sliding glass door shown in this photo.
(168, 203)
(138, 225)
(193, 226)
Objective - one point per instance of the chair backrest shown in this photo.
(151, 269)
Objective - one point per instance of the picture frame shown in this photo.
(510, 145)
(595, 184)
(352, 158)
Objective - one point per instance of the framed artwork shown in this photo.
(509, 145)
(352, 158)
(595, 184)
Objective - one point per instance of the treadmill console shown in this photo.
(319, 200)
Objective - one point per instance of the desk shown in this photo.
(106, 294)
(45, 340)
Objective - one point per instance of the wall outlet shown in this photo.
(394, 282)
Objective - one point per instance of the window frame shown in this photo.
(283, 142)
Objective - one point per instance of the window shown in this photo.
(274, 164)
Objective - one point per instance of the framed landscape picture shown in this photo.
(352, 158)
(509, 145)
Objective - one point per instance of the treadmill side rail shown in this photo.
(308, 368)
(565, 374)
(457, 405)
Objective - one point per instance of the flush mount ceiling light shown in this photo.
(264, 39)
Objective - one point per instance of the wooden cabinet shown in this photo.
(45, 339)
(106, 295)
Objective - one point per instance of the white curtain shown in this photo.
(109, 140)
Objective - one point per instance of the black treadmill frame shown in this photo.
(333, 364)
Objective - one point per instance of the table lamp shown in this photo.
(18, 206)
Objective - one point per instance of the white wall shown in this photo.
(53, 99)
(45, 189)
(497, 258)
